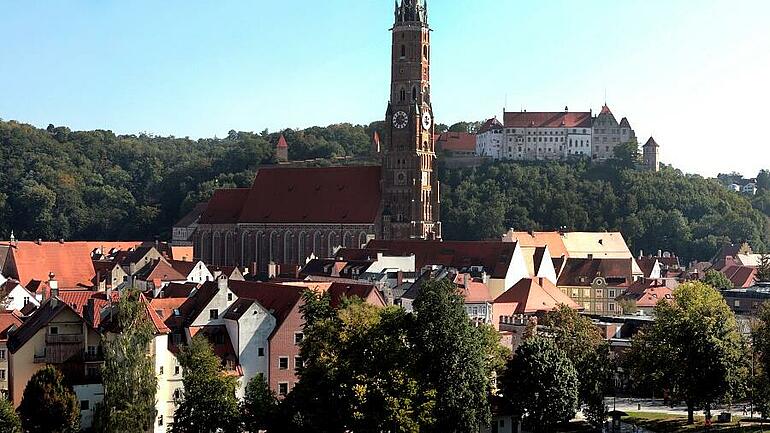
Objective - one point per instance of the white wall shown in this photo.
(16, 298)
(94, 393)
(248, 334)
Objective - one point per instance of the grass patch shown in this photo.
(668, 423)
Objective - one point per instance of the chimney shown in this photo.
(590, 256)
(540, 281)
(641, 254)
(660, 253)
(222, 282)
(54, 285)
(466, 280)
(272, 270)
(39, 241)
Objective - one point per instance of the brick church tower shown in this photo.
(410, 190)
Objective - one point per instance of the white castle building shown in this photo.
(553, 135)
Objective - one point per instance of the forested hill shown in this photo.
(56, 183)
(671, 211)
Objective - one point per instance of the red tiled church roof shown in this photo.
(225, 206)
(555, 119)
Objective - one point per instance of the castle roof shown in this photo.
(651, 143)
(490, 125)
(624, 123)
(605, 110)
(282, 142)
(457, 141)
(547, 119)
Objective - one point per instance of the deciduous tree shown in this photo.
(128, 372)
(693, 349)
(717, 280)
(9, 419)
(260, 406)
(208, 403)
(48, 404)
(541, 384)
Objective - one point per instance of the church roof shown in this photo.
(337, 195)
(546, 119)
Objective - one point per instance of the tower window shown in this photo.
(425, 51)
(403, 94)
(414, 93)
(403, 51)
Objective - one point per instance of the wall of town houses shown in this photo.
(283, 345)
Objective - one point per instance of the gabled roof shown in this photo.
(494, 256)
(349, 195)
(545, 119)
(457, 142)
(165, 309)
(474, 292)
(225, 206)
(490, 125)
(647, 292)
(741, 276)
(582, 272)
(8, 319)
(178, 290)
(184, 268)
(533, 295)
(646, 264)
(338, 290)
(278, 299)
(191, 217)
(160, 270)
(605, 110)
(624, 123)
(69, 261)
(553, 240)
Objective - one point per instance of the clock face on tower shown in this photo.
(426, 120)
(400, 120)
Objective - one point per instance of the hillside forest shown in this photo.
(61, 184)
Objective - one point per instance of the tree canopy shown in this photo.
(49, 405)
(9, 419)
(717, 279)
(693, 349)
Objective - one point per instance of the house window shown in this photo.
(92, 371)
(611, 306)
(26, 300)
(283, 362)
(53, 330)
(160, 420)
(178, 394)
(2, 354)
(176, 370)
(261, 351)
(599, 293)
(298, 363)
(2, 374)
(160, 371)
(611, 293)
(298, 337)
(229, 296)
(283, 388)
(91, 350)
(84, 405)
(213, 314)
(737, 303)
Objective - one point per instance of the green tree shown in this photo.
(589, 353)
(9, 419)
(260, 406)
(763, 270)
(627, 154)
(763, 180)
(128, 372)
(541, 384)
(208, 403)
(359, 374)
(717, 280)
(693, 349)
(48, 404)
(453, 358)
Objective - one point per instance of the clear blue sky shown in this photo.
(693, 73)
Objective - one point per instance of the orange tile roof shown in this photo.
(553, 240)
(69, 261)
(8, 319)
(533, 296)
(475, 292)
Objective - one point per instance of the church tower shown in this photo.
(409, 185)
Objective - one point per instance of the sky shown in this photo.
(694, 74)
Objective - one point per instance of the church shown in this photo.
(290, 212)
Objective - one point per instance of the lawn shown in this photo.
(667, 423)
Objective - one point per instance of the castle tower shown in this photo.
(651, 153)
(409, 185)
(282, 149)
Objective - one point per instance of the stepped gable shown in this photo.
(335, 195)
(547, 119)
(494, 256)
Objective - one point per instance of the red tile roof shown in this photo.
(161, 270)
(494, 256)
(225, 206)
(8, 319)
(489, 125)
(457, 142)
(648, 292)
(554, 119)
(475, 292)
(314, 195)
(582, 272)
(534, 296)
(69, 261)
(350, 290)
(279, 299)
(741, 276)
(282, 142)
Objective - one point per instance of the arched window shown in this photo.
(403, 51)
(425, 51)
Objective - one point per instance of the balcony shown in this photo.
(64, 338)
